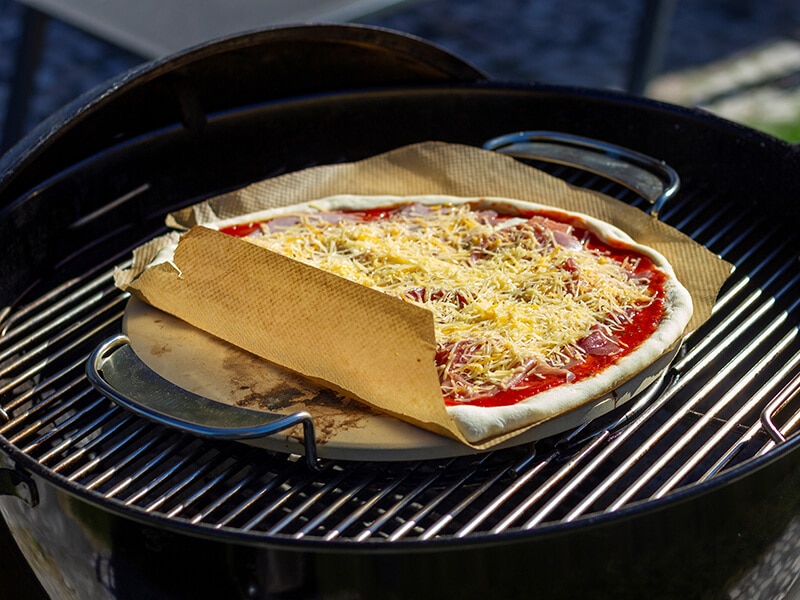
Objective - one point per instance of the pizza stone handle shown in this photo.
(652, 179)
(118, 373)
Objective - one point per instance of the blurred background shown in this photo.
(737, 58)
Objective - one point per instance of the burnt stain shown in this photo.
(284, 391)
(272, 400)
(326, 397)
(328, 425)
(160, 349)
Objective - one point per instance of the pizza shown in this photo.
(536, 310)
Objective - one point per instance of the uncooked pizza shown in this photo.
(536, 310)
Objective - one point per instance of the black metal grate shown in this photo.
(705, 419)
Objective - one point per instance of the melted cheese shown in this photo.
(508, 296)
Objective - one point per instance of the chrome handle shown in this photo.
(117, 372)
(652, 179)
(768, 424)
(786, 395)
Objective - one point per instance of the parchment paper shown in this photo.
(364, 343)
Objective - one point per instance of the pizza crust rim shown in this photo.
(477, 423)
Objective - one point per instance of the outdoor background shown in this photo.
(739, 58)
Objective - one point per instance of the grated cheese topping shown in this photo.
(511, 297)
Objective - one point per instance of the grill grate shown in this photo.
(705, 419)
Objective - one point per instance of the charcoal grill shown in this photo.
(692, 492)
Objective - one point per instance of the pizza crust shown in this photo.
(478, 423)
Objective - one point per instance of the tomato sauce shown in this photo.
(241, 229)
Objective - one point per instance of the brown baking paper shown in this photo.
(366, 344)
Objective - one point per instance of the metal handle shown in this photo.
(117, 372)
(788, 393)
(652, 179)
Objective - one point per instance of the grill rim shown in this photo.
(494, 548)
(139, 513)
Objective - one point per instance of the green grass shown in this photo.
(785, 130)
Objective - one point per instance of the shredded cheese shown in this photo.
(509, 297)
